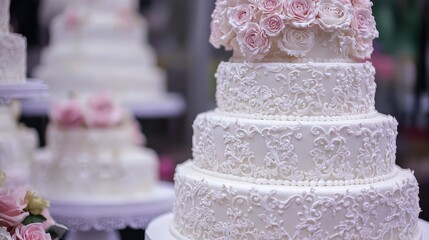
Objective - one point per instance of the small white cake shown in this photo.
(94, 153)
(101, 45)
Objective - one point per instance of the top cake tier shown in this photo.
(4, 15)
(294, 30)
(108, 5)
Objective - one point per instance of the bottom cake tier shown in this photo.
(208, 207)
(123, 177)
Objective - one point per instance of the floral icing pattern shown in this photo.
(12, 58)
(295, 151)
(256, 29)
(206, 209)
(280, 89)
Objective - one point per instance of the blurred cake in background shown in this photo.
(94, 153)
(101, 45)
(13, 47)
(17, 145)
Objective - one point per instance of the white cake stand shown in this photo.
(159, 228)
(91, 220)
(32, 88)
(171, 105)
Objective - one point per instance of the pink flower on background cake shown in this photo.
(272, 24)
(68, 114)
(102, 111)
(270, 6)
(296, 42)
(254, 42)
(301, 13)
(241, 15)
(12, 203)
(334, 15)
(33, 231)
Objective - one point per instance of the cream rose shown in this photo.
(364, 24)
(34, 231)
(272, 24)
(4, 234)
(253, 41)
(301, 13)
(333, 15)
(270, 6)
(296, 42)
(362, 3)
(221, 31)
(241, 15)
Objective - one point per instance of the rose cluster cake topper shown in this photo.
(257, 29)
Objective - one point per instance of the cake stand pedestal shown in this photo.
(172, 105)
(159, 228)
(32, 88)
(92, 220)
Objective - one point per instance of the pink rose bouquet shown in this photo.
(24, 216)
(261, 29)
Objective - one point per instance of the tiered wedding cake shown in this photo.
(295, 149)
(100, 45)
(13, 55)
(94, 154)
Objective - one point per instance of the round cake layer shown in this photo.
(13, 58)
(215, 208)
(279, 90)
(98, 175)
(124, 82)
(94, 53)
(69, 141)
(296, 152)
(91, 24)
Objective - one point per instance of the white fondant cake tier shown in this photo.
(288, 152)
(12, 58)
(96, 175)
(123, 82)
(278, 90)
(214, 208)
(4, 15)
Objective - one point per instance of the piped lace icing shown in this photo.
(210, 209)
(280, 90)
(295, 151)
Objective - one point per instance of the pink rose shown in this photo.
(49, 220)
(240, 15)
(270, 6)
(272, 24)
(334, 15)
(102, 112)
(253, 41)
(296, 42)
(364, 24)
(221, 31)
(12, 204)
(362, 3)
(34, 231)
(68, 114)
(301, 13)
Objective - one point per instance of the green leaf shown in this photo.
(57, 231)
(33, 219)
